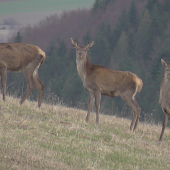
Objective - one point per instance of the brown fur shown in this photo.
(26, 58)
(164, 97)
(100, 80)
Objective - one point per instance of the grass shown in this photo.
(57, 137)
(27, 6)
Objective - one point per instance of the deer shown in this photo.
(164, 96)
(26, 58)
(99, 80)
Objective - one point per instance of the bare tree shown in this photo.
(26, 58)
(100, 80)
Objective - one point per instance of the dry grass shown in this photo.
(56, 137)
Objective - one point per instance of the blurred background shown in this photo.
(129, 35)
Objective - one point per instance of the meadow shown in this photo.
(27, 6)
(57, 137)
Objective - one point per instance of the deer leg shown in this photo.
(3, 74)
(28, 71)
(136, 110)
(91, 102)
(30, 82)
(39, 86)
(97, 104)
(164, 124)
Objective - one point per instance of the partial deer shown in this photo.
(164, 97)
(26, 58)
(100, 80)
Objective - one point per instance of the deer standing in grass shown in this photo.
(100, 80)
(164, 97)
(26, 58)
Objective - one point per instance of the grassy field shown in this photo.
(56, 137)
(27, 6)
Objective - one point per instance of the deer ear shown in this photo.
(164, 63)
(73, 42)
(90, 45)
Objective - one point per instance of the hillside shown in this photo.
(77, 22)
(56, 137)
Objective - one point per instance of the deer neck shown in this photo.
(82, 67)
(165, 93)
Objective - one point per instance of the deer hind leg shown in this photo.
(39, 86)
(136, 112)
(29, 78)
(129, 99)
(28, 72)
(164, 124)
(3, 74)
(90, 105)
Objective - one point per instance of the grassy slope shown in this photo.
(56, 137)
(27, 6)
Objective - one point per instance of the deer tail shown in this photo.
(43, 59)
(139, 84)
(42, 53)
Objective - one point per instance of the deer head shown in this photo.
(167, 69)
(81, 51)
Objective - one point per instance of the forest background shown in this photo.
(129, 35)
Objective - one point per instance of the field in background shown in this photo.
(27, 6)
(30, 12)
(57, 137)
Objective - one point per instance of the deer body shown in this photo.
(100, 80)
(26, 58)
(164, 97)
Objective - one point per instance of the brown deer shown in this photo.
(100, 80)
(164, 97)
(26, 58)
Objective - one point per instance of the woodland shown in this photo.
(128, 35)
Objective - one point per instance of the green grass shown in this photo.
(27, 6)
(57, 137)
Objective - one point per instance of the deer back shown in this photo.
(108, 80)
(16, 55)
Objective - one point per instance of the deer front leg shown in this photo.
(3, 74)
(164, 125)
(97, 104)
(91, 102)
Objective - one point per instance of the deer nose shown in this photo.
(80, 53)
